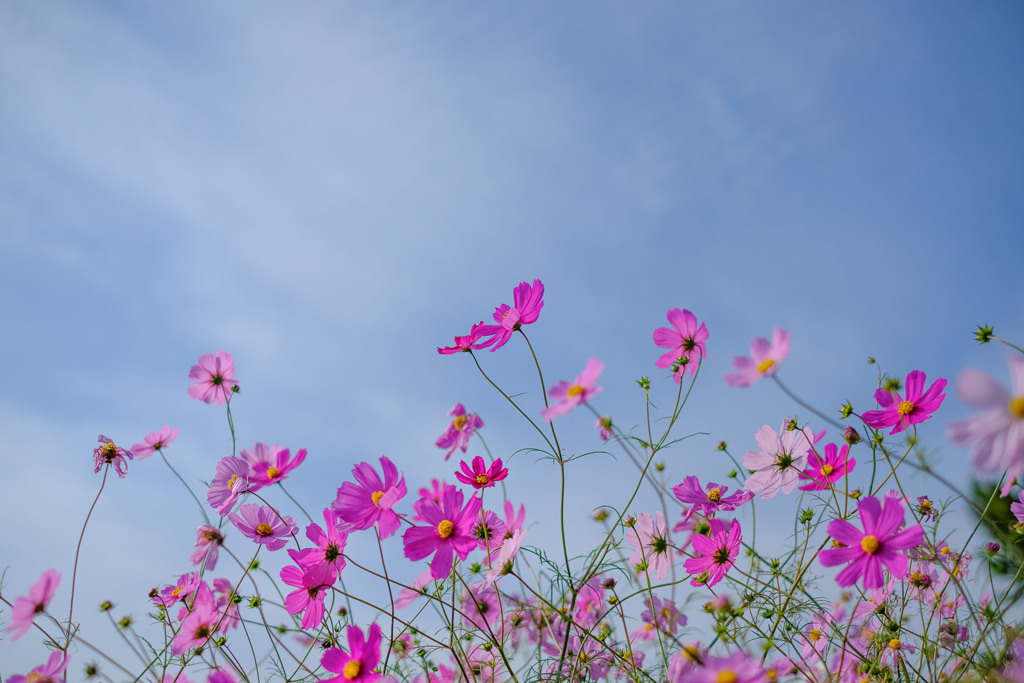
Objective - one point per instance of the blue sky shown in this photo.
(331, 191)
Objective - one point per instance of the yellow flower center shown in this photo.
(376, 496)
(446, 528)
(895, 644)
(715, 495)
(352, 669)
(273, 472)
(1017, 407)
(232, 480)
(158, 445)
(459, 422)
(814, 634)
(827, 470)
(575, 390)
(765, 365)
(33, 676)
(726, 676)
(905, 408)
(481, 479)
(691, 653)
(869, 544)
(264, 529)
(177, 591)
(109, 450)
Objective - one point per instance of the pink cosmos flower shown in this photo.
(231, 480)
(685, 341)
(1018, 508)
(604, 427)
(111, 454)
(26, 608)
(329, 546)
(479, 476)
(265, 473)
(996, 436)
(45, 673)
(489, 532)
(900, 413)
(154, 441)
(186, 586)
(465, 343)
(450, 531)
(715, 554)
(571, 395)
(777, 466)
(460, 431)
(199, 625)
(407, 596)
(208, 542)
(876, 546)
(213, 379)
(263, 525)
(359, 662)
(764, 360)
(505, 560)
(659, 615)
(312, 583)
(738, 667)
(371, 500)
(527, 301)
(824, 472)
(651, 540)
(709, 500)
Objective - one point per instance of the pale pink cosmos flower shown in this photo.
(579, 391)
(263, 525)
(505, 560)
(111, 454)
(777, 466)
(480, 476)
(459, 431)
(213, 378)
(370, 501)
(407, 596)
(685, 341)
(651, 539)
(231, 480)
(765, 358)
(265, 473)
(527, 301)
(996, 436)
(38, 599)
(902, 412)
(877, 546)
(450, 531)
(154, 441)
(359, 662)
(45, 673)
(715, 554)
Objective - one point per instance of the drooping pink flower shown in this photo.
(265, 473)
(877, 546)
(45, 673)
(370, 501)
(715, 554)
(685, 341)
(213, 378)
(579, 391)
(651, 539)
(312, 582)
(709, 500)
(450, 531)
(464, 343)
(604, 427)
(209, 539)
(27, 607)
(898, 412)
(996, 436)
(111, 454)
(263, 525)
(154, 441)
(527, 301)
(358, 663)
(480, 476)
(765, 358)
(459, 431)
(231, 480)
(777, 466)
(822, 473)
(503, 563)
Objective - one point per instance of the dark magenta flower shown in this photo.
(527, 301)
(824, 472)
(480, 476)
(358, 663)
(450, 531)
(370, 501)
(899, 412)
(715, 554)
(464, 343)
(311, 583)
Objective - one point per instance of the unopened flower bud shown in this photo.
(847, 410)
(856, 493)
(851, 436)
(984, 334)
(106, 605)
(992, 547)
(790, 425)
(644, 383)
(629, 521)
(608, 583)
(722, 445)
(600, 515)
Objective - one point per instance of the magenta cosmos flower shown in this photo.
(480, 476)
(715, 554)
(265, 473)
(358, 663)
(312, 583)
(464, 343)
(765, 358)
(570, 395)
(459, 431)
(685, 339)
(899, 413)
(450, 531)
(527, 300)
(823, 472)
(111, 454)
(370, 501)
(876, 546)
(996, 436)
(154, 441)
(263, 525)
(26, 608)
(213, 379)
(709, 500)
